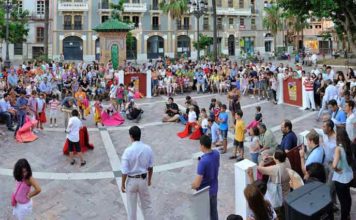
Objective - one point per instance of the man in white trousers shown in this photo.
(137, 170)
(309, 92)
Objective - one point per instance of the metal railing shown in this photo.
(183, 27)
(155, 27)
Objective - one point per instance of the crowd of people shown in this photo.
(36, 88)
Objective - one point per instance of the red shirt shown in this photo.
(308, 85)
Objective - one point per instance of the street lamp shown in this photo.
(8, 7)
(198, 9)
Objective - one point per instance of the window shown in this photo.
(126, 19)
(104, 18)
(218, 3)
(136, 20)
(219, 22)
(231, 21)
(40, 7)
(40, 34)
(242, 22)
(77, 22)
(18, 48)
(186, 23)
(155, 5)
(67, 22)
(179, 23)
(230, 3)
(104, 4)
(37, 51)
(155, 23)
(206, 23)
(135, 1)
(241, 4)
(268, 46)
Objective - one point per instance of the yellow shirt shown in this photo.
(240, 130)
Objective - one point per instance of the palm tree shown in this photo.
(175, 8)
(273, 22)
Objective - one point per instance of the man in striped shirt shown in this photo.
(309, 92)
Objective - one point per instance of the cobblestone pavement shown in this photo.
(91, 192)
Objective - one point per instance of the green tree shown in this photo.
(117, 10)
(341, 12)
(18, 30)
(273, 22)
(204, 42)
(175, 8)
(130, 45)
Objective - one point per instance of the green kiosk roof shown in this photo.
(113, 25)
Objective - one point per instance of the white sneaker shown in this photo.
(55, 125)
(51, 126)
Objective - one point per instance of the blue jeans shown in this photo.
(254, 157)
(214, 208)
(182, 119)
(20, 121)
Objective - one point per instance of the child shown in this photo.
(97, 112)
(239, 136)
(120, 95)
(255, 144)
(223, 120)
(192, 116)
(41, 111)
(258, 114)
(53, 112)
(203, 121)
(244, 84)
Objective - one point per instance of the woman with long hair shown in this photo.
(22, 196)
(343, 175)
(260, 208)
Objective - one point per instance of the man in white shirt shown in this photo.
(350, 120)
(331, 92)
(74, 125)
(137, 170)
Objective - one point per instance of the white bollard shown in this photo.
(241, 181)
(200, 208)
(148, 84)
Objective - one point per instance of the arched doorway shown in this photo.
(131, 48)
(155, 47)
(73, 48)
(97, 49)
(183, 46)
(231, 45)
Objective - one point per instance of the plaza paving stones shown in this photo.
(93, 192)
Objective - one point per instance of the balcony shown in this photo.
(73, 5)
(220, 27)
(206, 27)
(72, 27)
(37, 17)
(253, 27)
(155, 27)
(183, 27)
(233, 11)
(67, 27)
(135, 7)
(242, 27)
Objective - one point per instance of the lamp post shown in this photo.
(198, 9)
(8, 7)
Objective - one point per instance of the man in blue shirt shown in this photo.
(289, 139)
(223, 126)
(338, 116)
(46, 87)
(21, 107)
(199, 75)
(4, 112)
(316, 152)
(12, 79)
(207, 174)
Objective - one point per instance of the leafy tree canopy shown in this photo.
(204, 42)
(18, 29)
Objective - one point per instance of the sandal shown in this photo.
(83, 163)
(73, 162)
(233, 157)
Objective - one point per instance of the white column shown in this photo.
(304, 95)
(241, 181)
(148, 84)
(280, 78)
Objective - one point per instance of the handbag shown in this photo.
(274, 191)
(13, 196)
